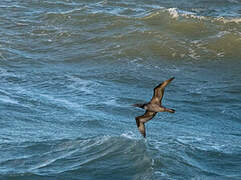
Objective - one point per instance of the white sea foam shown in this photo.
(81, 84)
(101, 140)
(129, 135)
(61, 101)
(49, 161)
(229, 20)
(221, 34)
(190, 139)
(176, 13)
(47, 97)
(111, 101)
(173, 12)
(7, 99)
(234, 1)
(162, 174)
(43, 164)
(4, 73)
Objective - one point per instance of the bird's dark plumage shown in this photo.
(154, 106)
(140, 120)
(159, 91)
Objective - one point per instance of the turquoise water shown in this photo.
(70, 70)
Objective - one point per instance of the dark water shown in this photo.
(69, 71)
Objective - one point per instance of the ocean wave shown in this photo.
(173, 34)
(106, 154)
(202, 144)
(197, 153)
(179, 14)
(6, 99)
(69, 156)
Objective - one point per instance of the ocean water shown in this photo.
(70, 70)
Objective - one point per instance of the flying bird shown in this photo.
(152, 107)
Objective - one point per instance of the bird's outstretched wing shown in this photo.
(159, 91)
(140, 120)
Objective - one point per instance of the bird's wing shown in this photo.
(142, 129)
(146, 117)
(140, 120)
(159, 91)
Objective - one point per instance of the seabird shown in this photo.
(152, 107)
